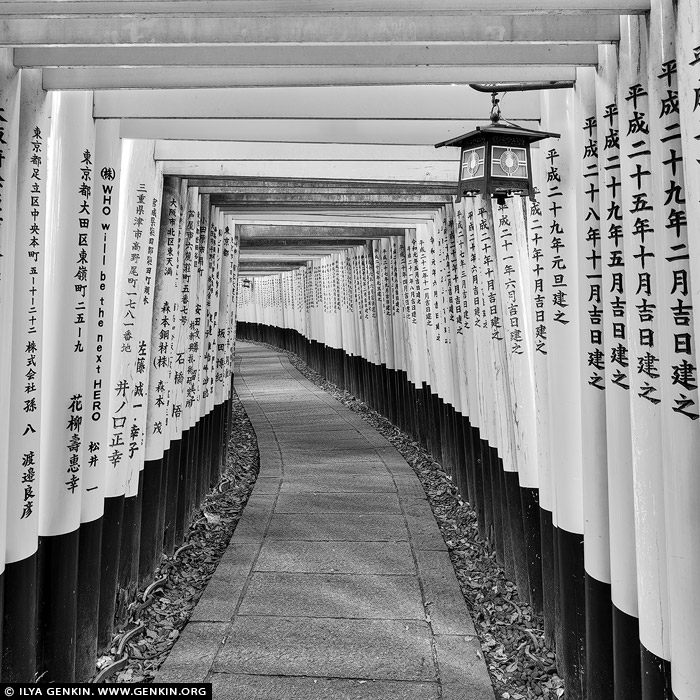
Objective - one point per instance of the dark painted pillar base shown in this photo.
(656, 676)
(485, 451)
(109, 569)
(429, 420)
(458, 422)
(390, 395)
(209, 468)
(172, 481)
(626, 656)
(168, 457)
(558, 625)
(189, 493)
(517, 534)
(137, 530)
(530, 502)
(217, 437)
(549, 586)
(437, 427)
(599, 640)
(183, 483)
(572, 591)
(458, 450)
(151, 502)
(404, 401)
(128, 557)
(2, 608)
(383, 394)
(468, 463)
(20, 621)
(508, 551)
(444, 436)
(198, 468)
(89, 556)
(2, 615)
(412, 413)
(421, 416)
(478, 495)
(496, 507)
(57, 607)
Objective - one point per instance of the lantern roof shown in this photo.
(499, 129)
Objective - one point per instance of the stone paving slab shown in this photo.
(344, 483)
(448, 611)
(376, 439)
(256, 518)
(322, 647)
(223, 593)
(330, 527)
(247, 687)
(288, 420)
(239, 554)
(298, 468)
(349, 437)
(339, 428)
(422, 536)
(462, 671)
(336, 557)
(337, 503)
(193, 655)
(268, 484)
(322, 445)
(337, 584)
(297, 409)
(368, 596)
(272, 471)
(335, 454)
(409, 487)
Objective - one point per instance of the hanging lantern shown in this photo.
(495, 159)
(247, 283)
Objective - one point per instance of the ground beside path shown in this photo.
(337, 583)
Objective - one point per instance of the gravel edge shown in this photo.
(189, 572)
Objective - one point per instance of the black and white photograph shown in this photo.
(347, 349)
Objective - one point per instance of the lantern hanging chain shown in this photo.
(495, 108)
(496, 116)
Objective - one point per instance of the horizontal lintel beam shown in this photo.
(320, 28)
(253, 234)
(279, 104)
(324, 200)
(384, 217)
(423, 172)
(403, 191)
(299, 186)
(288, 255)
(192, 77)
(222, 151)
(268, 266)
(213, 8)
(261, 244)
(324, 55)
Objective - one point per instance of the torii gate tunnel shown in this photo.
(543, 350)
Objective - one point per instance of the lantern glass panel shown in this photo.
(507, 161)
(473, 163)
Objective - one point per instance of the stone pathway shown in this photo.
(337, 584)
